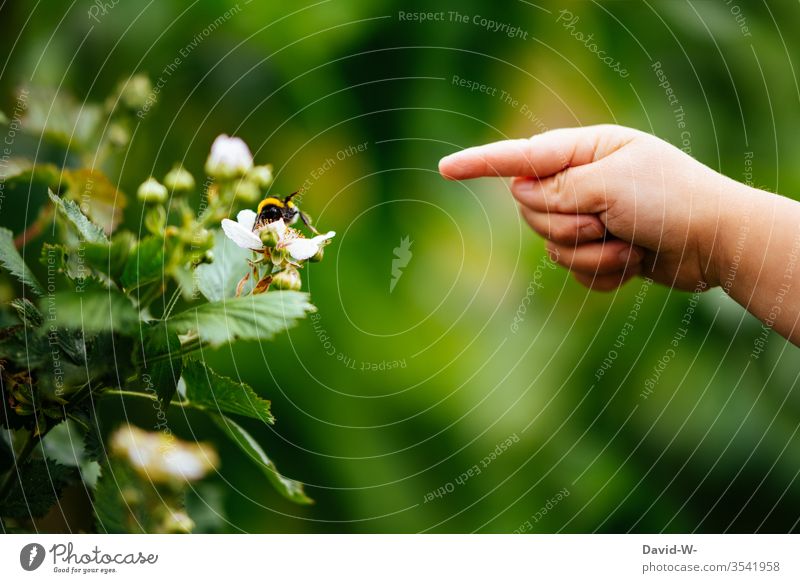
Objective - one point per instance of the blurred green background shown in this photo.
(387, 396)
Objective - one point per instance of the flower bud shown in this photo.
(269, 237)
(229, 158)
(261, 175)
(118, 135)
(155, 220)
(288, 279)
(136, 91)
(203, 239)
(152, 191)
(177, 522)
(246, 191)
(317, 257)
(179, 179)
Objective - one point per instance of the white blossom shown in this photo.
(298, 247)
(301, 248)
(229, 157)
(241, 230)
(161, 457)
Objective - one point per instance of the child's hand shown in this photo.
(612, 202)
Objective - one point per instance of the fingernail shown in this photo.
(590, 231)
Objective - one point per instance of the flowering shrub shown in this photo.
(123, 316)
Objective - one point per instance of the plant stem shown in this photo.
(150, 397)
(35, 229)
(23, 455)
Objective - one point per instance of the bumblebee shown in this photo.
(271, 209)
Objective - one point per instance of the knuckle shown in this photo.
(556, 190)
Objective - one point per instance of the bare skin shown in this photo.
(614, 202)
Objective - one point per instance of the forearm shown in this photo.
(760, 257)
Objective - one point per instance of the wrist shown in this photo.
(718, 226)
(734, 236)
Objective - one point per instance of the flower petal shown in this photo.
(244, 238)
(301, 249)
(247, 219)
(229, 157)
(278, 227)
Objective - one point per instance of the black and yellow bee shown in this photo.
(271, 209)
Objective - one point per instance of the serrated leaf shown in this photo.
(27, 312)
(244, 318)
(216, 393)
(86, 228)
(160, 342)
(217, 280)
(123, 502)
(66, 443)
(145, 263)
(290, 489)
(12, 261)
(110, 258)
(86, 419)
(92, 311)
(63, 444)
(39, 488)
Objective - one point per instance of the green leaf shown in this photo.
(63, 265)
(164, 373)
(124, 502)
(257, 317)
(63, 444)
(205, 504)
(289, 489)
(92, 311)
(61, 117)
(145, 263)
(41, 485)
(217, 280)
(112, 258)
(3, 118)
(208, 390)
(12, 261)
(86, 419)
(86, 228)
(20, 170)
(27, 312)
(66, 444)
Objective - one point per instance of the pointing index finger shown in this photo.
(540, 156)
(506, 158)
